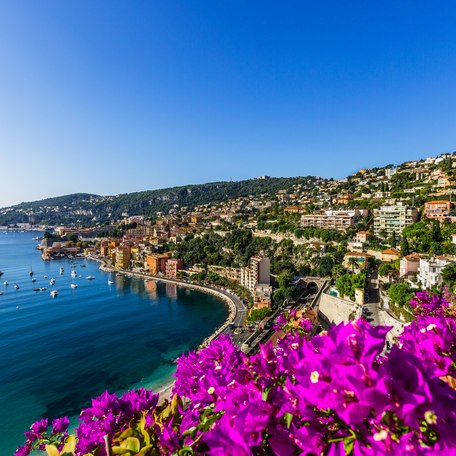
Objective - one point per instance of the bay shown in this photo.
(58, 353)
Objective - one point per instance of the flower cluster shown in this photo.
(336, 393)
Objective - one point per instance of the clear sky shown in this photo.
(110, 97)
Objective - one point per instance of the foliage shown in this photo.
(143, 203)
(348, 283)
(258, 314)
(333, 394)
(384, 269)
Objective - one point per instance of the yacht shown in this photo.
(73, 273)
(61, 271)
(33, 279)
(6, 283)
(73, 285)
(16, 286)
(90, 277)
(1, 292)
(54, 293)
(52, 281)
(110, 282)
(45, 276)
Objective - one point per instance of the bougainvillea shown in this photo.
(336, 393)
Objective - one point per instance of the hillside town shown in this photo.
(375, 237)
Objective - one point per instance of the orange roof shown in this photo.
(391, 252)
(413, 257)
(437, 202)
(363, 232)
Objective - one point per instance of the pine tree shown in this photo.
(405, 248)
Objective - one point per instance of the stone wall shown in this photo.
(386, 319)
(336, 310)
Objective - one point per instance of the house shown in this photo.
(361, 236)
(430, 271)
(409, 265)
(393, 219)
(389, 255)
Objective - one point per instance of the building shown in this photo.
(336, 220)
(361, 236)
(123, 256)
(156, 263)
(430, 271)
(258, 272)
(344, 198)
(409, 265)
(172, 266)
(437, 209)
(262, 296)
(390, 255)
(393, 219)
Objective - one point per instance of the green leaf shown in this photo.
(52, 450)
(132, 444)
(70, 446)
(288, 419)
(125, 434)
(348, 445)
(120, 450)
(145, 450)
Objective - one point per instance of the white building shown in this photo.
(430, 271)
(389, 219)
(258, 272)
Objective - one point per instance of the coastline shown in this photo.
(227, 298)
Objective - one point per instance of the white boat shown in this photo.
(54, 293)
(33, 279)
(110, 282)
(90, 277)
(73, 285)
(61, 271)
(45, 277)
(6, 283)
(1, 292)
(16, 286)
(52, 281)
(73, 273)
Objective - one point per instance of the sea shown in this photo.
(58, 353)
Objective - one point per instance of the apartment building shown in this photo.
(393, 219)
(172, 266)
(258, 272)
(123, 256)
(156, 263)
(329, 219)
(437, 209)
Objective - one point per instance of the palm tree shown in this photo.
(353, 263)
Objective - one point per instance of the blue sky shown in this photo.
(120, 96)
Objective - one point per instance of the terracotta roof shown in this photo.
(363, 232)
(390, 252)
(357, 254)
(413, 257)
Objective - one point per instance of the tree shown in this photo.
(384, 269)
(400, 293)
(405, 248)
(449, 274)
(353, 263)
(436, 233)
(392, 240)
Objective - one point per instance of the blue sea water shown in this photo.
(58, 353)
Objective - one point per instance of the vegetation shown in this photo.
(82, 207)
(258, 314)
(348, 283)
(399, 295)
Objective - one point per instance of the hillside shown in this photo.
(88, 208)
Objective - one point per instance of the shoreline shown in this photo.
(226, 297)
